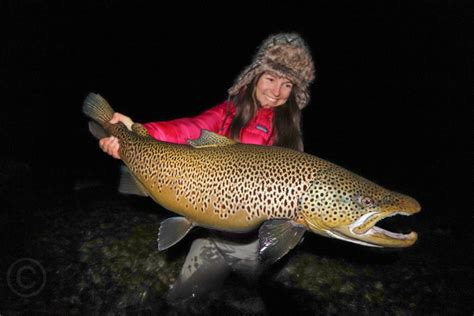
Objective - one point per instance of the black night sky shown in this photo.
(392, 99)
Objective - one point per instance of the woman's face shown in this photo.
(272, 90)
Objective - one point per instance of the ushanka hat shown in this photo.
(287, 55)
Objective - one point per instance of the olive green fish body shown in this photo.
(219, 184)
(232, 188)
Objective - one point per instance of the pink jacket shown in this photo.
(217, 119)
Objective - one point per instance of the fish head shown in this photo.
(343, 205)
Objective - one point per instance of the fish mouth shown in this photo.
(384, 237)
(365, 232)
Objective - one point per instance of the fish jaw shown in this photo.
(342, 205)
(364, 231)
(372, 235)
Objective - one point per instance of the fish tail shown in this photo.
(97, 108)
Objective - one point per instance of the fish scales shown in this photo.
(254, 183)
(220, 184)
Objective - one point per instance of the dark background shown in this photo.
(391, 100)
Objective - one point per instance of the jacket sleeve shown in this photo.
(180, 130)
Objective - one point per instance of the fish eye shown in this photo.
(365, 201)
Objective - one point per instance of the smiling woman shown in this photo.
(272, 90)
(264, 105)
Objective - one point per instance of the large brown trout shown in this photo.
(217, 183)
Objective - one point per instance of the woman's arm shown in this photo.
(175, 131)
(180, 130)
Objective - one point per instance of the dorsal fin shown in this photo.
(210, 139)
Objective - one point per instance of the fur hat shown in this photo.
(287, 55)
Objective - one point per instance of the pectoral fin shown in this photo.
(173, 230)
(277, 237)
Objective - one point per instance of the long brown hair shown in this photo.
(286, 119)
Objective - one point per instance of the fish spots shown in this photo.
(339, 197)
(254, 181)
(250, 179)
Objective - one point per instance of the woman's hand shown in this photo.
(110, 145)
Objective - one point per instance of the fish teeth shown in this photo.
(360, 221)
(392, 234)
(356, 226)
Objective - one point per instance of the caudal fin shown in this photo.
(97, 108)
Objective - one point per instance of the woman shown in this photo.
(264, 108)
(264, 105)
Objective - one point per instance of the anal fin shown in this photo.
(172, 230)
(129, 184)
(277, 237)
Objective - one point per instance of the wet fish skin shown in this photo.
(220, 184)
